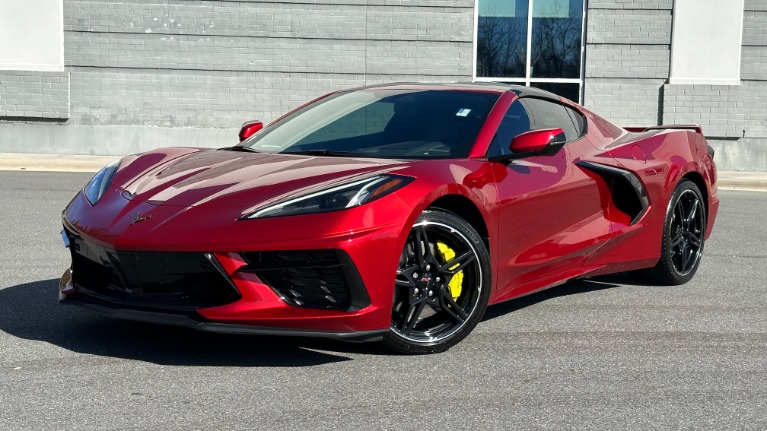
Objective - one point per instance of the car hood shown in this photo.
(225, 179)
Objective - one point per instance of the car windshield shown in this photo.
(385, 123)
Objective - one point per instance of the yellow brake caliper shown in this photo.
(456, 283)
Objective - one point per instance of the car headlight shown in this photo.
(99, 183)
(337, 198)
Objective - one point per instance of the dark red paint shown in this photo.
(548, 220)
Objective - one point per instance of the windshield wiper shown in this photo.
(239, 148)
(323, 152)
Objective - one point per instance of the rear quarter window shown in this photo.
(549, 115)
(578, 120)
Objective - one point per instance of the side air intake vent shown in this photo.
(628, 193)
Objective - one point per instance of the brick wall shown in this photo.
(627, 70)
(724, 111)
(192, 63)
(143, 69)
(633, 4)
(31, 95)
(754, 55)
(627, 59)
(733, 114)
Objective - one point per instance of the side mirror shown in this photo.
(539, 142)
(249, 129)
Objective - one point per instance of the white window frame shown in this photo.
(527, 79)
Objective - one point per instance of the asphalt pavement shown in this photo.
(606, 353)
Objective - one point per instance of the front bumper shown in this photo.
(369, 237)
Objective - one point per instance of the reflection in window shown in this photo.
(549, 115)
(554, 28)
(556, 39)
(514, 123)
(568, 91)
(502, 38)
(367, 120)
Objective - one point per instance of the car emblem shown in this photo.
(137, 218)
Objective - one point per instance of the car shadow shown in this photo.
(31, 311)
(573, 287)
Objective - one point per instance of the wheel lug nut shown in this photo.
(415, 275)
(431, 293)
(428, 267)
(437, 280)
(416, 291)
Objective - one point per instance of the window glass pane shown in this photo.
(502, 38)
(387, 123)
(368, 120)
(550, 115)
(556, 39)
(568, 91)
(578, 119)
(514, 123)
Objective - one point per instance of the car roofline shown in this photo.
(497, 87)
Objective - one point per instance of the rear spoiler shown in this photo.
(695, 127)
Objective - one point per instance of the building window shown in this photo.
(538, 43)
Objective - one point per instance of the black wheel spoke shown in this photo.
(450, 307)
(411, 318)
(461, 261)
(693, 211)
(676, 241)
(404, 282)
(692, 259)
(679, 210)
(405, 277)
(694, 239)
(421, 247)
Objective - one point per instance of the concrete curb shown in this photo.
(53, 162)
(728, 180)
(749, 181)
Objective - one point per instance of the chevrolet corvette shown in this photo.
(393, 213)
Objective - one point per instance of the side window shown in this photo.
(549, 115)
(515, 122)
(578, 119)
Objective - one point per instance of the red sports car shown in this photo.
(395, 213)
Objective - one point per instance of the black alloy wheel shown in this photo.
(683, 236)
(442, 285)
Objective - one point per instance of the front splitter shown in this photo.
(188, 321)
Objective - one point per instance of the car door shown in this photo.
(550, 212)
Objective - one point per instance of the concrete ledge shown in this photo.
(753, 181)
(107, 140)
(728, 180)
(53, 162)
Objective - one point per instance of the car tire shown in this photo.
(442, 285)
(682, 243)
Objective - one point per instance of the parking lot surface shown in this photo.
(604, 353)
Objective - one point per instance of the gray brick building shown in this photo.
(108, 77)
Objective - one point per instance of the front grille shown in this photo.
(324, 279)
(155, 280)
